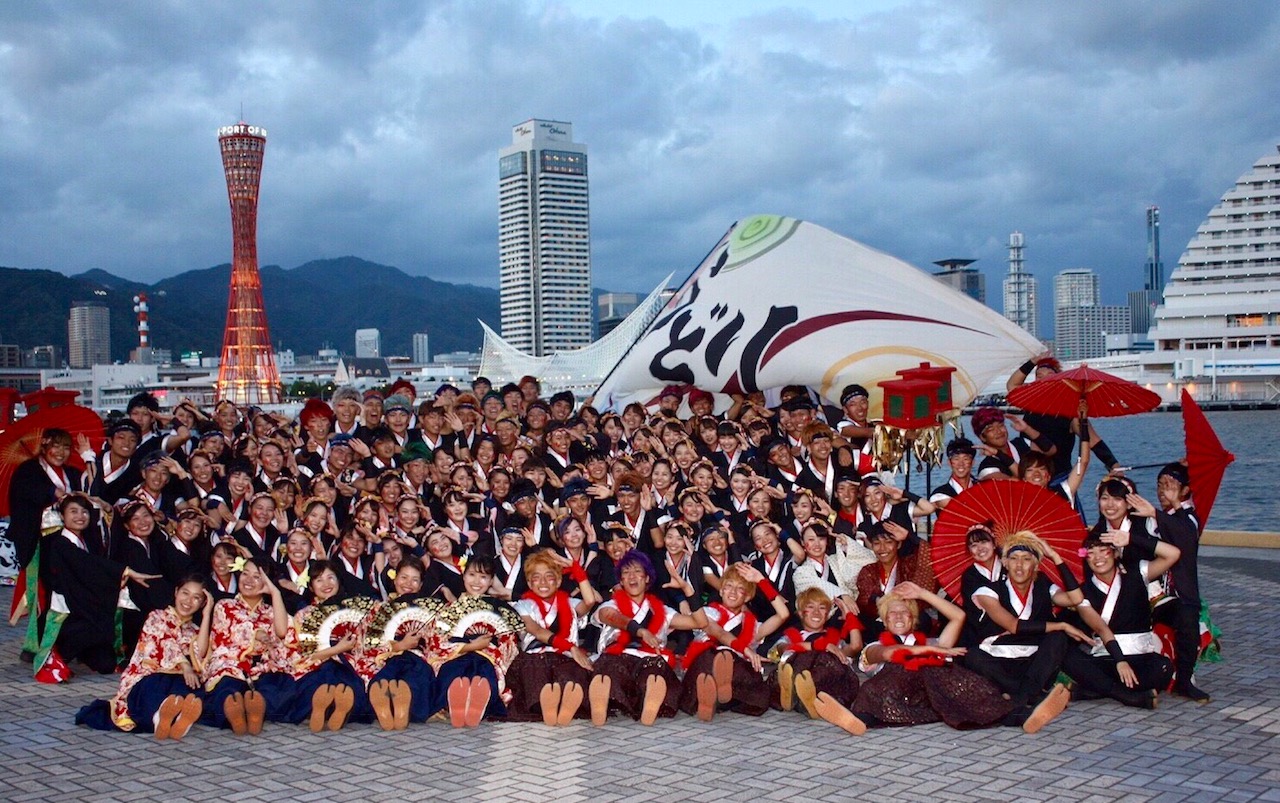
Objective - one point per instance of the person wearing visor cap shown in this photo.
(576, 497)
(156, 490)
(960, 456)
(524, 497)
(397, 413)
(1003, 455)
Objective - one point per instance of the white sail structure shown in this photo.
(579, 370)
(783, 302)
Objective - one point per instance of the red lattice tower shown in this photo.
(247, 373)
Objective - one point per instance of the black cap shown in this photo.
(961, 446)
(572, 488)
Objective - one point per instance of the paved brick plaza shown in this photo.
(1227, 750)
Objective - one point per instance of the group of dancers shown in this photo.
(488, 554)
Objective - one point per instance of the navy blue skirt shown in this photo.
(144, 702)
(276, 688)
(469, 665)
(421, 680)
(334, 672)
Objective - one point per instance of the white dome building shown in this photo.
(1218, 331)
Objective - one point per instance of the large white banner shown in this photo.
(780, 301)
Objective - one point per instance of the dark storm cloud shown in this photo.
(928, 131)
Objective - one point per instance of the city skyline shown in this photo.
(1062, 123)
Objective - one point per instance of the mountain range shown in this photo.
(321, 302)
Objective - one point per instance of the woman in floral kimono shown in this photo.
(160, 688)
(328, 688)
(248, 676)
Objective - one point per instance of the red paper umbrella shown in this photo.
(21, 441)
(1011, 506)
(1105, 395)
(1207, 460)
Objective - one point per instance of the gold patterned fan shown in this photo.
(394, 617)
(469, 617)
(325, 625)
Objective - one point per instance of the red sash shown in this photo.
(564, 618)
(905, 658)
(628, 609)
(746, 635)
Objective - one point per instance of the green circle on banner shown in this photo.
(756, 236)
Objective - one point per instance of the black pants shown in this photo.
(1099, 675)
(1184, 618)
(1023, 679)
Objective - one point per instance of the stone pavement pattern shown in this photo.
(1226, 750)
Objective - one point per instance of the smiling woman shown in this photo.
(160, 688)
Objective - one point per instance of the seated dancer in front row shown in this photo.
(722, 665)
(633, 656)
(247, 677)
(328, 688)
(913, 681)
(160, 688)
(471, 669)
(1118, 594)
(402, 684)
(549, 679)
(1021, 646)
(817, 656)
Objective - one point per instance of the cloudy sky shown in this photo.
(928, 130)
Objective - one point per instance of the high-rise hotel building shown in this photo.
(544, 239)
(88, 335)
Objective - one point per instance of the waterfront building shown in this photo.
(1081, 322)
(544, 239)
(612, 309)
(1218, 328)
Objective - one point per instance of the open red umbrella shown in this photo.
(1011, 506)
(21, 440)
(1207, 460)
(1105, 395)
